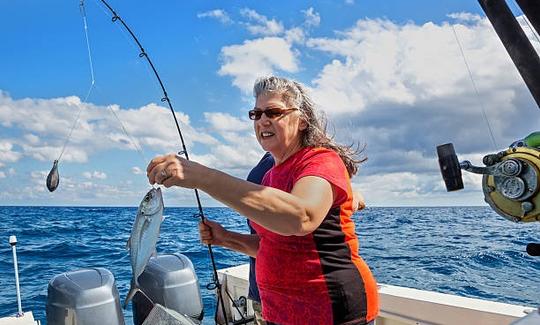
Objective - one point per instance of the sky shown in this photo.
(395, 77)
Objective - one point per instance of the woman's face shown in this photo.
(278, 135)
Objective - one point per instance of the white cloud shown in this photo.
(39, 174)
(7, 154)
(255, 58)
(12, 171)
(379, 62)
(136, 170)
(2, 174)
(226, 122)
(95, 175)
(465, 17)
(238, 151)
(47, 123)
(50, 153)
(312, 18)
(295, 35)
(262, 25)
(31, 138)
(219, 14)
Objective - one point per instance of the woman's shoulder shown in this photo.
(320, 153)
(326, 158)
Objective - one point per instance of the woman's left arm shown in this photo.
(297, 213)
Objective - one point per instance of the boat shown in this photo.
(511, 185)
(401, 305)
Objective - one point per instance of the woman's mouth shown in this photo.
(266, 134)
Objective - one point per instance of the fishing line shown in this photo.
(480, 102)
(92, 83)
(135, 144)
(93, 86)
(166, 99)
(128, 38)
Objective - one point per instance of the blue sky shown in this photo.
(388, 74)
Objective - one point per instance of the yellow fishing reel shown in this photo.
(511, 178)
(512, 190)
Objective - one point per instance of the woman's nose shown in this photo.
(264, 120)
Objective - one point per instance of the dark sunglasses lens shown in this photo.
(273, 112)
(255, 114)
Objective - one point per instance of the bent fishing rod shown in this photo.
(143, 54)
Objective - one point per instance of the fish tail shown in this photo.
(132, 291)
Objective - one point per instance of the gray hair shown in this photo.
(295, 95)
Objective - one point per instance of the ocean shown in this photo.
(468, 251)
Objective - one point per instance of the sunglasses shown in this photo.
(256, 114)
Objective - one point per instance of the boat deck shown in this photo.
(26, 319)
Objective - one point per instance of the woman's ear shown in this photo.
(302, 125)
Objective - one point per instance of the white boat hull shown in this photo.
(401, 305)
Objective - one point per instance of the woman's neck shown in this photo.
(286, 154)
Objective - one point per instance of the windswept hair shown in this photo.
(295, 95)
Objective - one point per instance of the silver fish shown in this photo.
(53, 178)
(144, 236)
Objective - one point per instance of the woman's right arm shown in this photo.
(212, 233)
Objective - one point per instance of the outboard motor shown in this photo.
(170, 281)
(83, 297)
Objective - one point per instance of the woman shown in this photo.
(308, 267)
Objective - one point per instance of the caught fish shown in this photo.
(144, 236)
(53, 178)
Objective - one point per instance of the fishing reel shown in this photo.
(511, 178)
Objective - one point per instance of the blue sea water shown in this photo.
(469, 251)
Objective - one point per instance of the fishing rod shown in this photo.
(143, 54)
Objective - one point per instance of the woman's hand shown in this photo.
(212, 233)
(358, 202)
(173, 170)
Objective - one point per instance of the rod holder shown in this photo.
(13, 243)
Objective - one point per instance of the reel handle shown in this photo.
(450, 168)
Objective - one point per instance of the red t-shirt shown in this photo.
(318, 278)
